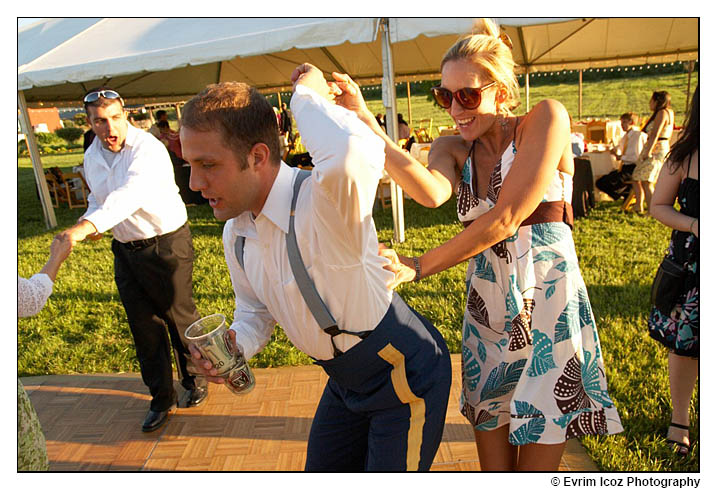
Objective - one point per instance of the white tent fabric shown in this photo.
(601, 42)
(173, 59)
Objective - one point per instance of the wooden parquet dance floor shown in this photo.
(92, 423)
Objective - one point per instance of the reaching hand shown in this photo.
(350, 96)
(310, 76)
(401, 266)
(60, 248)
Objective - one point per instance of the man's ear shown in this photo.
(259, 155)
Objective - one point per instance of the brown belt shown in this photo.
(548, 211)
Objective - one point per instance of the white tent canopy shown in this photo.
(165, 59)
(152, 60)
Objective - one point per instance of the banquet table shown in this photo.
(601, 164)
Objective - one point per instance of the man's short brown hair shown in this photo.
(240, 113)
(632, 117)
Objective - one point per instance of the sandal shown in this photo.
(681, 449)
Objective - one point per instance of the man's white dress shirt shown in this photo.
(335, 232)
(631, 144)
(133, 191)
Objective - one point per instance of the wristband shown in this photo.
(417, 268)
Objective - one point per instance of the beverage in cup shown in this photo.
(209, 335)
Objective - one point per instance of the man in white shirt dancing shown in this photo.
(133, 192)
(389, 370)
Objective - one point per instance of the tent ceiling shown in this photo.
(164, 60)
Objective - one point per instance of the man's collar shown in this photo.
(276, 207)
(279, 201)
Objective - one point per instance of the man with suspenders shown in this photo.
(302, 252)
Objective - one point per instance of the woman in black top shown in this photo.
(679, 331)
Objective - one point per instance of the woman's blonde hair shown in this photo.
(490, 49)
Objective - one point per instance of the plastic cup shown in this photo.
(209, 335)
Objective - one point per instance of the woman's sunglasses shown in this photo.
(107, 94)
(468, 97)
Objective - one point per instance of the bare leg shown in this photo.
(682, 375)
(638, 191)
(540, 457)
(495, 451)
(648, 192)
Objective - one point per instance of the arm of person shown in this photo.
(543, 140)
(252, 325)
(429, 186)
(144, 171)
(664, 198)
(348, 161)
(661, 120)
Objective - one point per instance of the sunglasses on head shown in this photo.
(107, 94)
(468, 97)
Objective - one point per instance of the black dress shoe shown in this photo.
(197, 396)
(155, 419)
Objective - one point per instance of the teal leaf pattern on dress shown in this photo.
(485, 421)
(529, 432)
(524, 408)
(564, 420)
(591, 378)
(546, 256)
(544, 234)
(484, 270)
(584, 308)
(542, 359)
(568, 324)
(566, 267)
(502, 379)
(471, 370)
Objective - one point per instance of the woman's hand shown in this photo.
(401, 266)
(309, 75)
(351, 98)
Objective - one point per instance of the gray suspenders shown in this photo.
(305, 284)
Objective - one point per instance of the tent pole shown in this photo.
(690, 67)
(408, 99)
(580, 93)
(527, 89)
(389, 100)
(179, 112)
(279, 101)
(48, 212)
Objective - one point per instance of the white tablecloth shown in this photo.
(601, 163)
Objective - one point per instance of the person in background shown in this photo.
(384, 405)
(678, 330)
(133, 193)
(160, 116)
(659, 129)
(616, 183)
(32, 294)
(170, 138)
(530, 342)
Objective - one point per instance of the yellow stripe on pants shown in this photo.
(417, 407)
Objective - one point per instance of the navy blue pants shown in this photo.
(384, 406)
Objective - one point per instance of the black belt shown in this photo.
(662, 138)
(136, 245)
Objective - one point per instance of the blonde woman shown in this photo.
(659, 129)
(533, 371)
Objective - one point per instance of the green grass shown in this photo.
(83, 327)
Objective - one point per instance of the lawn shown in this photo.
(83, 328)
